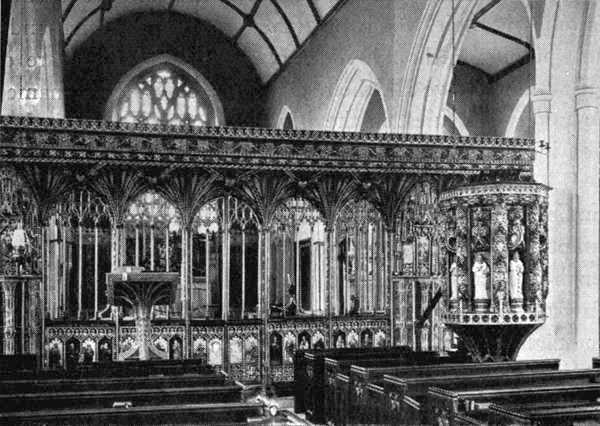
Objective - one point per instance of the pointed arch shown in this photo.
(429, 71)
(184, 67)
(351, 97)
(455, 119)
(517, 112)
(286, 119)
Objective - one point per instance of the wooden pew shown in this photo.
(109, 383)
(404, 394)
(311, 381)
(556, 413)
(303, 365)
(336, 396)
(213, 413)
(365, 386)
(450, 396)
(106, 398)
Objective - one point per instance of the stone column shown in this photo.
(542, 110)
(9, 286)
(33, 82)
(588, 219)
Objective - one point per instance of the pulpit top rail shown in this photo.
(256, 134)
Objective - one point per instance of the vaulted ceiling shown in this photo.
(269, 32)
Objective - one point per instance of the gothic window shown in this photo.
(164, 94)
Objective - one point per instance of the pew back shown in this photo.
(475, 398)
(214, 413)
(558, 413)
(311, 380)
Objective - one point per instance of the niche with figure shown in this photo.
(176, 348)
(72, 353)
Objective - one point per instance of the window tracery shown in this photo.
(163, 95)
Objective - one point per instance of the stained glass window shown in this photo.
(164, 95)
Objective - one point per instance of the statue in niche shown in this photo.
(88, 354)
(54, 356)
(454, 281)
(175, 349)
(105, 353)
(304, 343)
(480, 275)
(516, 277)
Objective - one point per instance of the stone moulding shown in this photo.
(66, 141)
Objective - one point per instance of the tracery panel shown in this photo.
(164, 94)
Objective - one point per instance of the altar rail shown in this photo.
(233, 346)
(74, 141)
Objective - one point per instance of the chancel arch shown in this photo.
(165, 90)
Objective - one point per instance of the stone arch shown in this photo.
(351, 97)
(518, 111)
(429, 71)
(455, 119)
(285, 118)
(214, 99)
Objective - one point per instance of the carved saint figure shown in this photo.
(480, 274)
(176, 349)
(516, 277)
(453, 281)
(304, 344)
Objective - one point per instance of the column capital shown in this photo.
(542, 101)
(586, 97)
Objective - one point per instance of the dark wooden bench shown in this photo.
(336, 395)
(469, 395)
(405, 392)
(213, 413)
(309, 374)
(107, 398)
(556, 413)
(364, 390)
(110, 383)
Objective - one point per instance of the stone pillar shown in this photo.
(8, 287)
(542, 110)
(33, 82)
(588, 220)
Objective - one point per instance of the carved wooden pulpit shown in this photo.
(141, 291)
